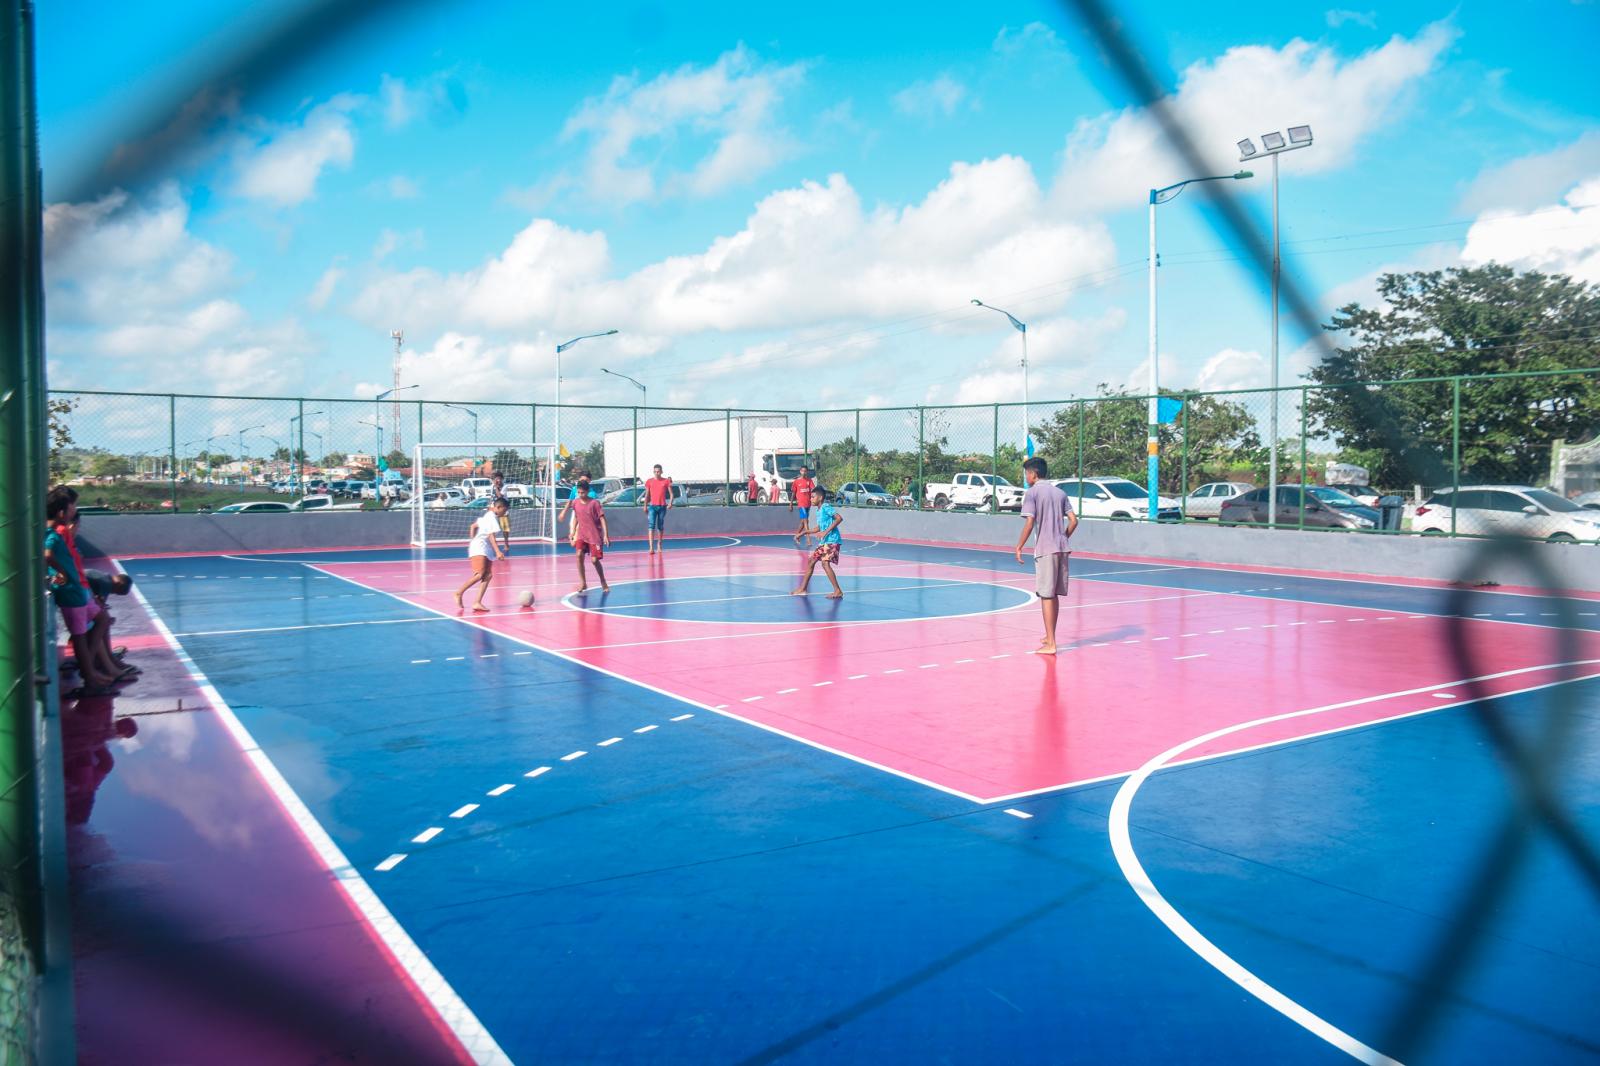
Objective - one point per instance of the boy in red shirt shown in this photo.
(800, 490)
(657, 502)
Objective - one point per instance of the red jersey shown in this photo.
(588, 514)
(801, 488)
(69, 534)
(657, 490)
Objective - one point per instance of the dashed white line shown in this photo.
(786, 691)
(751, 699)
(927, 666)
(896, 670)
(463, 810)
(960, 661)
(1444, 695)
(1002, 655)
(391, 862)
(415, 662)
(522, 653)
(855, 677)
(537, 771)
(820, 684)
(501, 790)
(683, 718)
(646, 728)
(490, 655)
(1198, 655)
(427, 834)
(610, 741)
(454, 658)
(574, 755)
(1018, 814)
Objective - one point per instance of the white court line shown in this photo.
(574, 755)
(425, 977)
(608, 743)
(390, 863)
(500, 790)
(1134, 872)
(427, 834)
(463, 810)
(1016, 813)
(1181, 658)
(646, 728)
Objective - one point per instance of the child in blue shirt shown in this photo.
(827, 552)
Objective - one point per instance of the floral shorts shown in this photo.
(826, 553)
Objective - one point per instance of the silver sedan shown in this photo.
(1207, 500)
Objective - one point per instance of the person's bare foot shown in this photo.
(835, 595)
(798, 592)
(480, 608)
(581, 590)
(1045, 649)
(604, 587)
(459, 605)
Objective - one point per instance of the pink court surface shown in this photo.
(716, 822)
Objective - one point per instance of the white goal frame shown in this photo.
(541, 451)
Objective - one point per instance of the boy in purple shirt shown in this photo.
(1047, 509)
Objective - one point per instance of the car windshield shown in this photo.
(789, 466)
(1333, 497)
(1551, 502)
(1125, 490)
(873, 486)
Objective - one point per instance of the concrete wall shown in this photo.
(1574, 566)
(151, 534)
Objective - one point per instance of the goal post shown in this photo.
(450, 486)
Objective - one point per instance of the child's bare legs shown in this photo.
(462, 591)
(1051, 610)
(99, 641)
(83, 648)
(600, 572)
(837, 593)
(805, 581)
(483, 586)
(583, 573)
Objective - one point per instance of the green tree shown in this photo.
(398, 460)
(518, 467)
(333, 459)
(1461, 321)
(112, 466)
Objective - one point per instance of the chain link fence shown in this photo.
(142, 453)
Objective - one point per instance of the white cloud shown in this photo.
(938, 98)
(1062, 361)
(725, 114)
(138, 301)
(437, 97)
(1534, 179)
(806, 255)
(1339, 16)
(1110, 160)
(1563, 239)
(322, 292)
(1232, 368)
(1035, 35)
(401, 187)
(389, 241)
(282, 169)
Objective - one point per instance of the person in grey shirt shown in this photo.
(1047, 509)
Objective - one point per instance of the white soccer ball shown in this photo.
(527, 599)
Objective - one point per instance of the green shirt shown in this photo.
(71, 594)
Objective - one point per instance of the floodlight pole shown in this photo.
(1022, 328)
(559, 349)
(636, 384)
(1152, 438)
(474, 415)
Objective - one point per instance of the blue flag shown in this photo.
(1167, 409)
(1029, 447)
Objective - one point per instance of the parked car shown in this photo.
(1515, 510)
(1590, 500)
(1117, 498)
(974, 490)
(473, 487)
(865, 494)
(255, 507)
(317, 485)
(1365, 494)
(336, 488)
(633, 496)
(1207, 500)
(440, 498)
(356, 490)
(323, 503)
(1323, 508)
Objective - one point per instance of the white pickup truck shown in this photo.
(974, 490)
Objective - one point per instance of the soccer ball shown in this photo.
(527, 599)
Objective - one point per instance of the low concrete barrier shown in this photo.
(207, 534)
(1577, 566)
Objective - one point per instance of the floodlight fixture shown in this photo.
(1299, 135)
(1272, 142)
(1247, 148)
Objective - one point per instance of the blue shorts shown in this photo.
(805, 513)
(657, 516)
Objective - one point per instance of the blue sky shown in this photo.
(777, 209)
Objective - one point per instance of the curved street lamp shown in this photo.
(1022, 328)
(559, 349)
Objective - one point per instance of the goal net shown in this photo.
(450, 485)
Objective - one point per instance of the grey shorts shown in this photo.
(1050, 575)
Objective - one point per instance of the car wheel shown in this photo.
(1122, 516)
(1561, 538)
(1433, 532)
(941, 501)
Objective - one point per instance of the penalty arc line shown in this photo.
(1139, 880)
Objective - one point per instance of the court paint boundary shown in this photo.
(675, 696)
(1031, 598)
(448, 1006)
(405, 546)
(1139, 880)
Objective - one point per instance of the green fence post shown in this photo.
(172, 445)
(856, 444)
(1081, 430)
(805, 436)
(1455, 448)
(1304, 481)
(299, 448)
(727, 484)
(994, 465)
(1183, 461)
(922, 451)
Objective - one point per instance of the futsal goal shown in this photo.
(450, 486)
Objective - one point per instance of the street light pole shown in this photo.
(474, 416)
(1275, 144)
(300, 464)
(636, 384)
(559, 349)
(1022, 328)
(1153, 435)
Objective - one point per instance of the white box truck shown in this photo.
(709, 454)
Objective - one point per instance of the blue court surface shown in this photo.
(677, 875)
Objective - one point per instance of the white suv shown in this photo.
(1507, 510)
(1116, 497)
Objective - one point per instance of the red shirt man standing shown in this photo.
(657, 502)
(800, 490)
